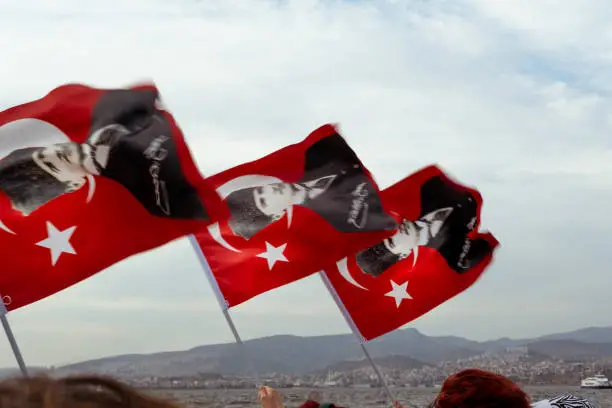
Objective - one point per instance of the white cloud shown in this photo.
(513, 97)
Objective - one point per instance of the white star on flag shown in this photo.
(273, 254)
(58, 242)
(399, 292)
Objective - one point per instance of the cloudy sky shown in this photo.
(513, 97)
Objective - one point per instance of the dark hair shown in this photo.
(474, 388)
(75, 392)
(246, 219)
(25, 183)
(376, 259)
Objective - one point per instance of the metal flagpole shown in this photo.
(362, 341)
(224, 307)
(11, 338)
(378, 372)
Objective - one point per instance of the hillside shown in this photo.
(294, 354)
(391, 362)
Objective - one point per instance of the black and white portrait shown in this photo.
(130, 141)
(409, 236)
(31, 177)
(448, 214)
(334, 186)
(255, 208)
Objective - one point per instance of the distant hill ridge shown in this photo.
(295, 354)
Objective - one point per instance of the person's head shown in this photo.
(274, 199)
(74, 392)
(404, 240)
(474, 388)
(253, 209)
(410, 234)
(27, 185)
(65, 162)
(382, 256)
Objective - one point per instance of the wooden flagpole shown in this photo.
(224, 307)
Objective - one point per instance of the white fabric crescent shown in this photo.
(215, 233)
(342, 266)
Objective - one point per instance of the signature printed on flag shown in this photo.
(359, 206)
(157, 154)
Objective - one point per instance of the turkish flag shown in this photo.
(435, 254)
(290, 213)
(89, 177)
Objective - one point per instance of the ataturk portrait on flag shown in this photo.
(447, 216)
(31, 177)
(130, 141)
(334, 185)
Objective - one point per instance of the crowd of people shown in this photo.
(467, 389)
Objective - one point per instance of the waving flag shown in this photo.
(89, 177)
(435, 253)
(289, 213)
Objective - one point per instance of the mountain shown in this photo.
(588, 335)
(299, 355)
(571, 349)
(280, 354)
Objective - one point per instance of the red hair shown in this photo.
(480, 389)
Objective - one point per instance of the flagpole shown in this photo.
(11, 338)
(224, 307)
(353, 326)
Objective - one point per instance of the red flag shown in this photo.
(89, 177)
(436, 253)
(290, 213)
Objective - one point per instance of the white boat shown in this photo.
(598, 381)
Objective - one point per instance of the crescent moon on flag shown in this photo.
(5, 228)
(30, 132)
(240, 183)
(215, 232)
(342, 266)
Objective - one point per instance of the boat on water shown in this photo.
(598, 381)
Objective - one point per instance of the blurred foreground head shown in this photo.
(74, 392)
(480, 389)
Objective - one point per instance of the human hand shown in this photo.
(269, 398)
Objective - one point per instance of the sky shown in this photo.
(514, 98)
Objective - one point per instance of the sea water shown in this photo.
(357, 398)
